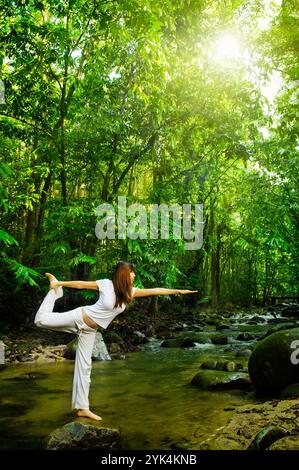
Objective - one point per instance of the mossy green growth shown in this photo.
(271, 365)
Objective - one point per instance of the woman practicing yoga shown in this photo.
(114, 296)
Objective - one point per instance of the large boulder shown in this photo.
(99, 352)
(270, 365)
(79, 436)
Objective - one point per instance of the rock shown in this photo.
(139, 334)
(286, 443)
(279, 328)
(179, 446)
(270, 367)
(229, 366)
(177, 343)
(150, 331)
(267, 436)
(29, 376)
(138, 338)
(112, 337)
(199, 337)
(256, 319)
(290, 391)
(212, 321)
(70, 352)
(79, 436)
(208, 328)
(187, 343)
(226, 366)
(222, 326)
(209, 365)
(164, 333)
(244, 353)
(114, 348)
(290, 310)
(24, 359)
(219, 339)
(245, 337)
(118, 356)
(211, 380)
(44, 360)
(99, 352)
(249, 420)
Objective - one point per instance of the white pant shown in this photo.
(71, 322)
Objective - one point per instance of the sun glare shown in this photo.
(227, 46)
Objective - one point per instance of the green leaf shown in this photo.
(81, 258)
(7, 239)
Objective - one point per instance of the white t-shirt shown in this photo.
(103, 311)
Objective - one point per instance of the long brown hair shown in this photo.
(122, 282)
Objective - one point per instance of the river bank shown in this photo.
(184, 375)
(29, 343)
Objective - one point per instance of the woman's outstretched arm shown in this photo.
(161, 291)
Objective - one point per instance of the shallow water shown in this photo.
(147, 396)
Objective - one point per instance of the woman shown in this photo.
(114, 296)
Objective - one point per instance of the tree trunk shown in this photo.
(153, 307)
(215, 267)
(40, 220)
(29, 239)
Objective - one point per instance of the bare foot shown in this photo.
(52, 281)
(88, 414)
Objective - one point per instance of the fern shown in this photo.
(7, 239)
(61, 248)
(23, 274)
(81, 258)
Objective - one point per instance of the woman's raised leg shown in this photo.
(68, 322)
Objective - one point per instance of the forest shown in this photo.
(164, 102)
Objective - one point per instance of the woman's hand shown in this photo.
(187, 291)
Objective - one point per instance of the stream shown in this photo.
(147, 396)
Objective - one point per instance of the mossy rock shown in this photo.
(198, 337)
(286, 443)
(290, 391)
(216, 380)
(112, 337)
(78, 436)
(211, 364)
(177, 343)
(267, 436)
(219, 339)
(70, 351)
(270, 367)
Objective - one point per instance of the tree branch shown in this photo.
(23, 121)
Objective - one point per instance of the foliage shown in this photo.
(131, 98)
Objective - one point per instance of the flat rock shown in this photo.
(79, 436)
